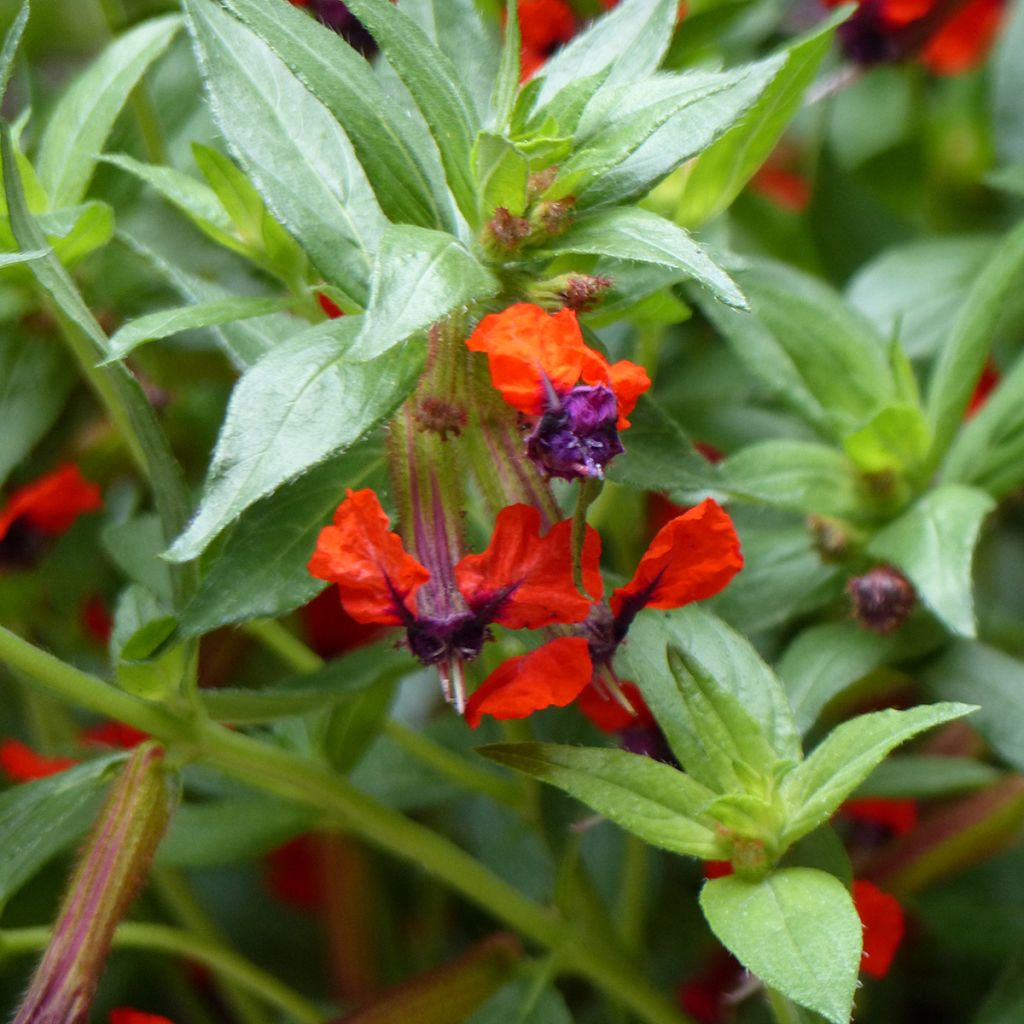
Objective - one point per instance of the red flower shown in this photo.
(717, 869)
(52, 503)
(331, 309)
(126, 1015)
(293, 873)
(882, 918)
(20, 763)
(963, 39)
(330, 630)
(690, 559)
(898, 816)
(529, 349)
(987, 383)
(544, 25)
(608, 714)
(114, 734)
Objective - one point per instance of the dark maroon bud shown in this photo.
(440, 417)
(506, 231)
(555, 216)
(576, 436)
(882, 598)
(582, 292)
(435, 639)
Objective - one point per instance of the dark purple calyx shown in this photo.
(576, 435)
(337, 17)
(22, 546)
(436, 638)
(649, 741)
(882, 599)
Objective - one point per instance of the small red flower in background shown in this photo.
(883, 921)
(126, 1015)
(778, 180)
(690, 559)
(292, 873)
(114, 734)
(544, 25)
(705, 996)
(52, 503)
(20, 763)
(331, 309)
(717, 869)
(896, 816)
(330, 630)
(96, 620)
(542, 367)
(987, 383)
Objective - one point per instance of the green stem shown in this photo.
(585, 497)
(633, 892)
(304, 782)
(290, 650)
(177, 942)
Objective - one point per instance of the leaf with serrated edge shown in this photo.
(83, 118)
(843, 760)
(304, 401)
(650, 799)
(797, 930)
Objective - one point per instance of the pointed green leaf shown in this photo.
(163, 324)
(506, 84)
(502, 171)
(797, 930)
(847, 756)
(10, 47)
(896, 439)
(933, 544)
(434, 84)
(296, 154)
(407, 178)
(650, 799)
(419, 276)
(303, 402)
(81, 122)
(634, 234)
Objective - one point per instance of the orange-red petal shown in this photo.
(545, 24)
(898, 816)
(882, 918)
(376, 576)
(964, 39)
(629, 381)
(20, 763)
(609, 715)
(534, 571)
(551, 676)
(52, 503)
(115, 734)
(691, 558)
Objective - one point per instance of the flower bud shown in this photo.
(110, 872)
(882, 599)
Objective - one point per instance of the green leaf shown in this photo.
(296, 154)
(435, 86)
(502, 171)
(978, 674)
(844, 759)
(1008, 88)
(166, 322)
(407, 178)
(134, 546)
(260, 568)
(304, 401)
(933, 544)
(962, 358)
(642, 236)
(915, 291)
(645, 131)
(10, 47)
(719, 174)
(340, 679)
(1004, 1003)
(419, 276)
(627, 44)
(926, 777)
(896, 439)
(40, 819)
(35, 379)
(10, 259)
(506, 83)
(142, 625)
(652, 800)
(823, 661)
(520, 1002)
(799, 475)
(725, 657)
(81, 122)
(797, 930)
(217, 832)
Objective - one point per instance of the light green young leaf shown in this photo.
(627, 43)
(260, 568)
(71, 233)
(963, 356)
(296, 154)
(434, 84)
(407, 178)
(933, 544)
(419, 276)
(634, 234)
(800, 475)
(81, 122)
(719, 174)
(502, 171)
(163, 324)
(797, 930)
(303, 402)
(843, 760)
(10, 47)
(35, 378)
(896, 439)
(40, 819)
(973, 672)
(661, 805)
(506, 84)
(134, 546)
(142, 624)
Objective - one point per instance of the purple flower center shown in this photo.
(867, 39)
(438, 638)
(576, 435)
